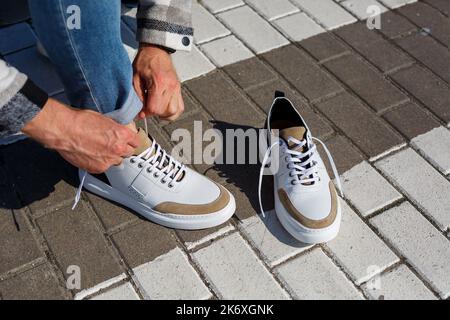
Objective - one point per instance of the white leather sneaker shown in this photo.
(163, 190)
(306, 202)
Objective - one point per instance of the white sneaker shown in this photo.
(306, 201)
(163, 190)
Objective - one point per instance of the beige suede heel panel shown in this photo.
(194, 209)
(309, 223)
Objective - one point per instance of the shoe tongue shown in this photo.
(146, 142)
(298, 133)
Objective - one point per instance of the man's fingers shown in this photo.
(128, 152)
(138, 87)
(175, 109)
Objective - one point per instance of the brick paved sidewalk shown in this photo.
(381, 101)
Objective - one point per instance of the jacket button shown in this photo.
(185, 41)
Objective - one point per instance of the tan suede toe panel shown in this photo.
(194, 209)
(309, 223)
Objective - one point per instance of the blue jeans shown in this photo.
(91, 61)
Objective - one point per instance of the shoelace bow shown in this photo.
(153, 158)
(302, 166)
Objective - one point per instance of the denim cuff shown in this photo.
(129, 109)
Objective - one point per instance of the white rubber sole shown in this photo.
(303, 234)
(175, 221)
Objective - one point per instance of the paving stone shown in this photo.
(324, 46)
(223, 101)
(394, 25)
(394, 4)
(435, 147)
(373, 47)
(256, 33)
(16, 37)
(122, 292)
(421, 183)
(38, 283)
(269, 237)
(250, 72)
(365, 129)
(206, 26)
(358, 249)
(17, 244)
(74, 239)
(220, 5)
(429, 52)
(344, 154)
(442, 5)
(304, 278)
(427, 88)
(226, 51)
(194, 238)
(46, 182)
(327, 12)
(191, 64)
(398, 284)
(110, 213)
(235, 272)
(366, 82)
(360, 7)
(298, 26)
(83, 294)
(37, 68)
(410, 119)
(263, 96)
(302, 72)
(171, 276)
(362, 181)
(430, 19)
(273, 9)
(424, 247)
(144, 242)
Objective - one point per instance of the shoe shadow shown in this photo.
(245, 177)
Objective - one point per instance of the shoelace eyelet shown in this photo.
(132, 160)
(170, 185)
(156, 175)
(149, 170)
(140, 166)
(163, 181)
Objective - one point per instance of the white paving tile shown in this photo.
(38, 68)
(327, 12)
(209, 237)
(298, 26)
(192, 64)
(269, 237)
(122, 292)
(398, 284)
(16, 37)
(360, 8)
(425, 248)
(313, 276)
(422, 184)
(219, 5)
(206, 26)
(235, 272)
(367, 190)
(226, 51)
(358, 249)
(170, 276)
(394, 4)
(435, 147)
(256, 32)
(273, 9)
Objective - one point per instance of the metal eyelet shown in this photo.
(149, 170)
(140, 166)
(293, 182)
(132, 160)
(170, 185)
(163, 181)
(156, 175)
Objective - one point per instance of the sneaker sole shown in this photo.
(304, 234)
(175, 221)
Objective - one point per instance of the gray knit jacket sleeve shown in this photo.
(166, 23)
(20, 100)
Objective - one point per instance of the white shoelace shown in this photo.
(302, 171)
(155, 159)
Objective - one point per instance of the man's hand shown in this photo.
(156, 83)
(86, 139)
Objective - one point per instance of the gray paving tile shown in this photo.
(427, 88)
(302, 72)
(363, 127)
(366, 82)
(298, 26)
(250, 72)
(324, 46)
(441, 5)
(206, 26)
(226, 51)
(360, 7)
(193, 238)
(75, 240)
(16, 37)
(394, 25)
(394, 4)
(220, 5)
(39, 283)
(273, 9)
